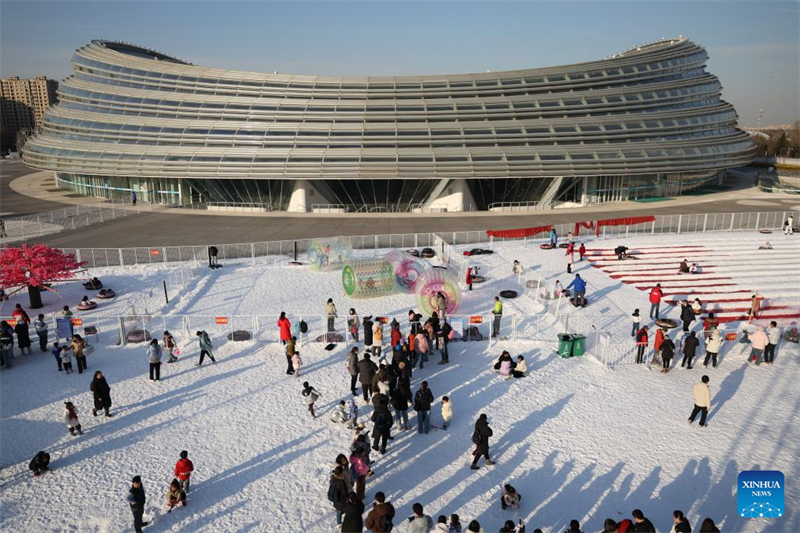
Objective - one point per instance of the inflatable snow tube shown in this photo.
(138, 335)
(329, 254)
(239, 335)
(765, 231)
(563, 245)
(434, 281)
(666, 323)
(478, 279)
(428, 253)
(480, 251)
(369, 278)
(106, 294)
(90, 330)
(330, 337)
(546, 246)
(508, 294)
(407, 274)
(85, 306)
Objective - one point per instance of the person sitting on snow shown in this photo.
(510, 498)
(684, 267)
(339, 413)
(765, 246)
(517, 270)
(693, 268)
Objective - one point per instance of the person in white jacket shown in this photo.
(773, 335)
(420, 522)
(702, 401)
(447, 411)
(71, 419)
(788, 226)
(713, 345)
(759, 341)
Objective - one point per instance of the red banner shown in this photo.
(578, 225)
(516, 233)
(628, 221)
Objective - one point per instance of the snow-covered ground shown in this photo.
(576, 439)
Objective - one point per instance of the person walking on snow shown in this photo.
(690, 345)
(755, 307)
(702, 401)
(366, 371)
(136, 499)
(289, 353)
(71, 419)
(330, 310)
(553, 238)
(23, 336)
(480, 438)
(469, 278)
(569, 262)
(56, 351)
(774, 336)
(183, 470)
(205, 347)
(65, 354)
(641, 345)
(40, 326)
(447, 411)
(296, 363)
(422, 405)
(788, 227)
(657, 342)
(78, 347)
(636, 319)
(441, 305)
(102, 394)
(655, 300)
(311, 395)
(760, 341)
(285, 328)
(580, 290)
(337, 492)
(377, 339)
(353, 514)
(713, 345)
(497, 311)
(169, 345)
(581, 252)
(154, 355)
(687, 314)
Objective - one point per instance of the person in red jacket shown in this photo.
(285, 327)
(655, 300)
(581, 251)
(469, 277)
(641, 344)
(396, 334)
(20, 314)
(183, 471)
(659, 340)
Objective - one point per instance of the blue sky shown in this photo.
(753, 45)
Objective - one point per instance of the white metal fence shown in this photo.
(68, 218)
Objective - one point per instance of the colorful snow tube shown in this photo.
(138, 335)
(434, 281)
(85, 306)
(666, 323)
(546, 246)
(239, 335)
(106, 294)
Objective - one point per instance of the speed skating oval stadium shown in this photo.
(646, 122)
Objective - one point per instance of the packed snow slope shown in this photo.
(576, 439)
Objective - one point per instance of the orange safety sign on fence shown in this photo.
(155, 252)
(77, 321)
(221, 320)
(476, 320)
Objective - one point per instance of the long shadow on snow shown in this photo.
(727, 389)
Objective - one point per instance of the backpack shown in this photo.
(385, 521)
(476, 437)
(303, 327)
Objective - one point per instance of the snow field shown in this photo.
(577, 440)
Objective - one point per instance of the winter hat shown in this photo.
(474, 526)
(136, 479)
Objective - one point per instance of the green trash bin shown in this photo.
(565, 345)
(579, 348)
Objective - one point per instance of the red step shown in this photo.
(744, 318)
(618, 276)
(632, 281)
(676, 302)
(705, 292)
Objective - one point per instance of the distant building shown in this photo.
(23, 105)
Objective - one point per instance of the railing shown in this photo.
(242, 207)
(778, 190)
(515, 206)
(422, 208)
(68, 218)
(328, 208)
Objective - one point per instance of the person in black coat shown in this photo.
(136, 499)
(337, 492)
(642, 524)
(401, 398)
(353, 521)
(23, 336)
(102, 394)
(481, 435)
(366, 371)
(367, 331)
(667, 353)
(40, 463)
(690, 349)
(687, 314)
(381, 433)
